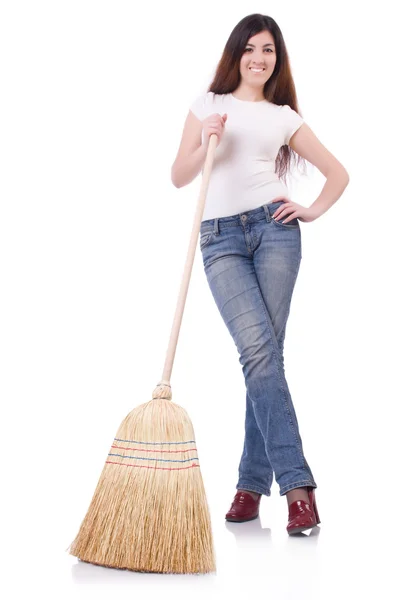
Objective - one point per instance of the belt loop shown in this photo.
(216, 226)
(267, 212)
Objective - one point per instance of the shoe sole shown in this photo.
(300, 529)
(241, 520)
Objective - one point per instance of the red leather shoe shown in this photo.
(244, 508)
(301, 515)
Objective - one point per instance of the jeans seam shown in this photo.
(252, 488)
(279, 377)
(296, 484)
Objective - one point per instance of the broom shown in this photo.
(149, 511)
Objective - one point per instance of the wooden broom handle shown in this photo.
(169, 359)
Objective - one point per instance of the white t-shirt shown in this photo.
(243, 174)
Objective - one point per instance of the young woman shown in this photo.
(250, 241)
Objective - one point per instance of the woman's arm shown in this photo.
(191, 154)
(307, 145)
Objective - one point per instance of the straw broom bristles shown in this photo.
(149, 511)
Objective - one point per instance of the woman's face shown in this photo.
(260, 52)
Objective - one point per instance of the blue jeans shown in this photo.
(251, 263)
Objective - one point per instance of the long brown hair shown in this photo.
(279, 89)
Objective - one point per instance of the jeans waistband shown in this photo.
(250, 216)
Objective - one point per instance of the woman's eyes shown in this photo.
(266, 49)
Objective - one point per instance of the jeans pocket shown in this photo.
(294, 224)
(205, 238)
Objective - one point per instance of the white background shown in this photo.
(93, 240)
